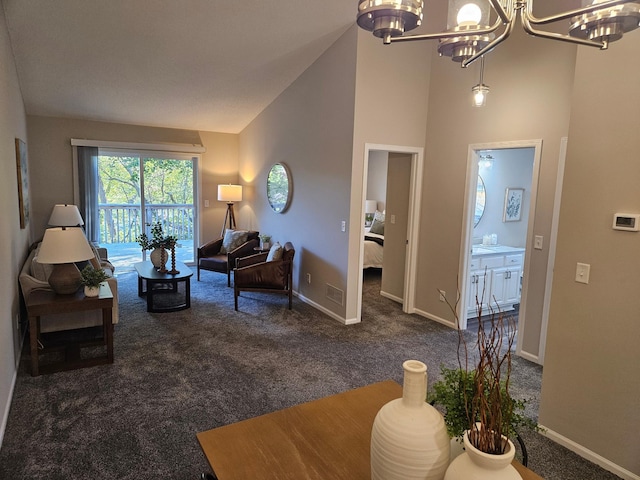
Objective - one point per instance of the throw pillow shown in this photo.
(233, 239)
(40, 271)
(377, 227)
(379, 216)
(275, 252)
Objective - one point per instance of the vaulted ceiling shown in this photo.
(198, 64)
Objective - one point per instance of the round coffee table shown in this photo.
(162, 289)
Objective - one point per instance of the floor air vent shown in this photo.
(334, 294)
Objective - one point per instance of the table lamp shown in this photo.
(62, 247)
(65, 215)
(229, 194)
(370, 207)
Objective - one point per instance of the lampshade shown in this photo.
(62, 247)
(65, 216)
(370, 206)
(229, 193)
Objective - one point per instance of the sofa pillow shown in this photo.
(233, 239)
(275, 252)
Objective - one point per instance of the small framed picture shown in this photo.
(513, 205)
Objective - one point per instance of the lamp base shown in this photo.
(65, 279)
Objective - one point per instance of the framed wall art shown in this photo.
(23, 182)
(513, 205)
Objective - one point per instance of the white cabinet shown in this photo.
(494, 279)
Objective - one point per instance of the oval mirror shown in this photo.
(480, 201)
(279, 187)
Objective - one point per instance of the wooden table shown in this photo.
(42, 302)
(324, 439)
(151, 282)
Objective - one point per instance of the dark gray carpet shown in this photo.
(176, 374)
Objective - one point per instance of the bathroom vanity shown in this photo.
(495, 277)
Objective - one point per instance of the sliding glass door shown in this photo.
(138, 189)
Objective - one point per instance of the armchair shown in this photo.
(211, 258)
(256, 274)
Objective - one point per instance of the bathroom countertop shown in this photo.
(479, 250)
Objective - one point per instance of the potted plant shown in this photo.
(476, 397)
(265, 241)
(157, 240)
(91, 279)
(158, 244)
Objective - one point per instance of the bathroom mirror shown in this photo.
(480, 201)
(279, 187)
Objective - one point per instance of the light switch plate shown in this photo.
(582, 272)
(537, 242)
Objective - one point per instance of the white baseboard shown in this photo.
(391, 297)
(347, 321)
(589, 455)
(5, 414)
(530, 357)
(435, 318)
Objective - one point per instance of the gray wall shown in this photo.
(520, 107)
(591, 382)
(309, 127)
(377, 178)
(14, 241)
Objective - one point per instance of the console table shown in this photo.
(324, 439)
(47, 302)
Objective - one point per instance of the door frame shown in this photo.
(467, 229)
(413, 227)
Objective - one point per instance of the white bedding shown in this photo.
(372, 252)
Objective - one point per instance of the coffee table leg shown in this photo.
(140, 291)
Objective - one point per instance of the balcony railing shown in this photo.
(122, 223)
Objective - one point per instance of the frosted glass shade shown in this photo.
(229, 193)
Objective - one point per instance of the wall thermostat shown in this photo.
(626, 221)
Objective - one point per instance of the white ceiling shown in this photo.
(208, 65)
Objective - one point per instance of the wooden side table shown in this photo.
(42, 302)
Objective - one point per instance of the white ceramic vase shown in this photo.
(476, 465)
(159, 257)
(91, 291)
(409, 439)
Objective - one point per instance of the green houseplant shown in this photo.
(157, 240)
(91, 279)
(476, 396)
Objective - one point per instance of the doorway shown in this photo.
(402, 182)
(495, 258)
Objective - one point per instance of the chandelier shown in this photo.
(471, 34)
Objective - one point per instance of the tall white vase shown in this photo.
(409, 439)
(476, 465)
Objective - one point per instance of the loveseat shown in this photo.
(34, 275)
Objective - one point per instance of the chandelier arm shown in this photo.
(557, 36)
(571, 13)
(450, 34)
(494, 43)
(502, 13)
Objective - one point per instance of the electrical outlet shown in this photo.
(206, 203)
(308, 278)
(443, 295)
(343, 226)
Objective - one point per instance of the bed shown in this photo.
(373, 248)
